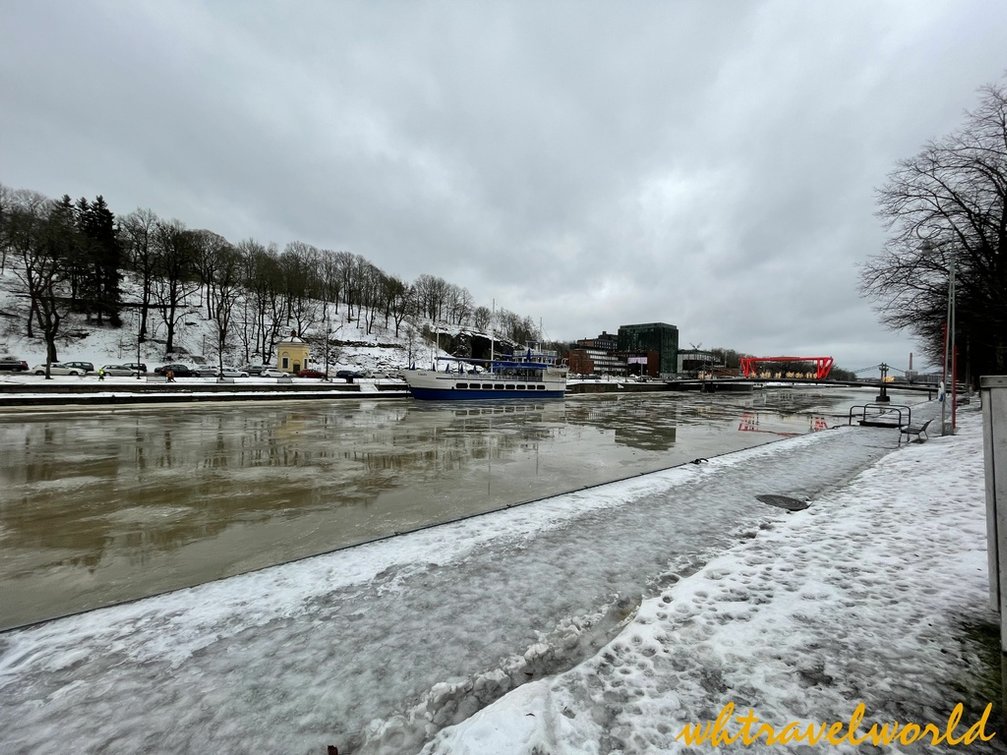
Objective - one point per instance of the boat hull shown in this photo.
(451, 394)
(429, 385)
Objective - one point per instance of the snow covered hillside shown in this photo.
(352, 347)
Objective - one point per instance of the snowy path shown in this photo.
(420, 629)
(877, 594)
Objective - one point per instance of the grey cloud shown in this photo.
(592, 164)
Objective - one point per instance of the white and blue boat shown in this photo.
(455, 379)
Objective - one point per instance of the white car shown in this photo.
(232, 372)
(55, 368)
(273, 373)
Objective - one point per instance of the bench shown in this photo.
(920, 431)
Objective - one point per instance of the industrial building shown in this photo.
(659, 337)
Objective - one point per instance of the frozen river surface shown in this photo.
(374, 648)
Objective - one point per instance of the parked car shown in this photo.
(231, 372)
(136, 367)
(55, 368)
(273, 372)
(205, 371)
(180, 370)
(311, 374)
(350, 374)
(118, 370)
(84, 367)
(13, 364)
(254, 369)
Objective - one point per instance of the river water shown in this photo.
(102, 506)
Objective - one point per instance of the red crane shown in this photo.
(823, 365)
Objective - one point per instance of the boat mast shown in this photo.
(492, 318)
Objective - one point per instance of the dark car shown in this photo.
(311, 374)
(180, 370)
(84, 367)
(136, 367)
(13, 364)
(350, 374)
(253, 369)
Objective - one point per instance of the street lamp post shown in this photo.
(139, 323)
(328, 335)
(949, 349)
(883, 397)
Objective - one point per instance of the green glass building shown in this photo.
(652, 336)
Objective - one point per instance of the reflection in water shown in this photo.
(98, 508)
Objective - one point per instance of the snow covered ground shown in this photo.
(876, 593)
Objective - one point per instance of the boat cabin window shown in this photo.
(461, 385)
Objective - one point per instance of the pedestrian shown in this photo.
(101, 373)
(170, 375)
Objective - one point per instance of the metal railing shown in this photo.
(883, 410)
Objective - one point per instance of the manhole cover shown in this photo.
(783, 501)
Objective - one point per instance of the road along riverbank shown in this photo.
(67, 393)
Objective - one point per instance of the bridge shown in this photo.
(899, 385)
(717, 385)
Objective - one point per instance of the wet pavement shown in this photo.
(110, 505)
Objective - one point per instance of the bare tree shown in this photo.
(481, 317)
(207, 248)
(949, 202)
(331, 280)
(42, 234)
(6, 206)
(460, 304)
(395, 297)
(343, 272)
(138, 233)
(301, 279)
(225, 289)
(174, 274)
(431, 296)
(370, 287)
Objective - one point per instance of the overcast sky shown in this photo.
(708, 164)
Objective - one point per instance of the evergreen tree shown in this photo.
(99, 262)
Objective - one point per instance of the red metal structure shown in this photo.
(823, 365)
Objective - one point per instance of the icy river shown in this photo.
(102, 506)
(372, 648)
